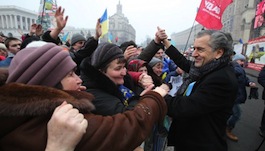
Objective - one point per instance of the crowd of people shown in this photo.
(87, 95)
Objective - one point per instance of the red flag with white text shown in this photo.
(210, 13)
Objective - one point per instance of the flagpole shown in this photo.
(189, 36)
(43, 9)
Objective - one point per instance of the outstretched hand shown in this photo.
(162, 90)
(160, 35)
(60, 20)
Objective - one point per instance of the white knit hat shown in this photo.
(239, 57)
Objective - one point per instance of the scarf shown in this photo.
(127, 94)
(196, 73)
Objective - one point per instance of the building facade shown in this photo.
(15, 20)
(120, 30)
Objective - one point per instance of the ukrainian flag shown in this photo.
(104, 23)
(65, 37)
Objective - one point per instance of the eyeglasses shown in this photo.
(15, 45)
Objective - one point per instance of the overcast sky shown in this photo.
(143, 15)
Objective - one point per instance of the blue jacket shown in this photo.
(7, 61)
(169, 66)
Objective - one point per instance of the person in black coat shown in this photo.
(243, 81)
(261, 81)
(205, 99)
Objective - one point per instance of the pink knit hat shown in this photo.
(43, 65)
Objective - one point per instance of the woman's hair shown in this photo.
(219, 40)
(59, 86)
(120, 60)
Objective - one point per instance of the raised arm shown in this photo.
(60, 22)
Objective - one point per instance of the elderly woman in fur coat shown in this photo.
(28, 101)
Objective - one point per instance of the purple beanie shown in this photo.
(45, 65)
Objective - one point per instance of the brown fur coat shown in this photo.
(25, 111)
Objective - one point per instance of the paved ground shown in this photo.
(247, 128)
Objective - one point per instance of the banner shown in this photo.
(259, 16)
(210, 13)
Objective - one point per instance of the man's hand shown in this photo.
(160, 35)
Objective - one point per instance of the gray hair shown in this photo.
(219, 40)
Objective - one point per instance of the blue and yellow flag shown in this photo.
(104, 23)
(65, 37)
(110, 37)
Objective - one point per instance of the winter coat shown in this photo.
(108, 97)
(26, 110)
(261, 81)
(199, 120)
(7, 61)
(243, 81)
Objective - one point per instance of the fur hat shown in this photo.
(2, 46)
(77, 37)
(154, 61)
(239, 57)
(43, 65)
(104, 54)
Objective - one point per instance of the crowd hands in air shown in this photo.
(100, 96)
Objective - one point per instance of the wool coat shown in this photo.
(25, 111)
(199, 120)
(108, 98)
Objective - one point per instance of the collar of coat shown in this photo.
(94, 79)
(31, 100)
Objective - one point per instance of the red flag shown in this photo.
(259, 19)
(210, 13)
